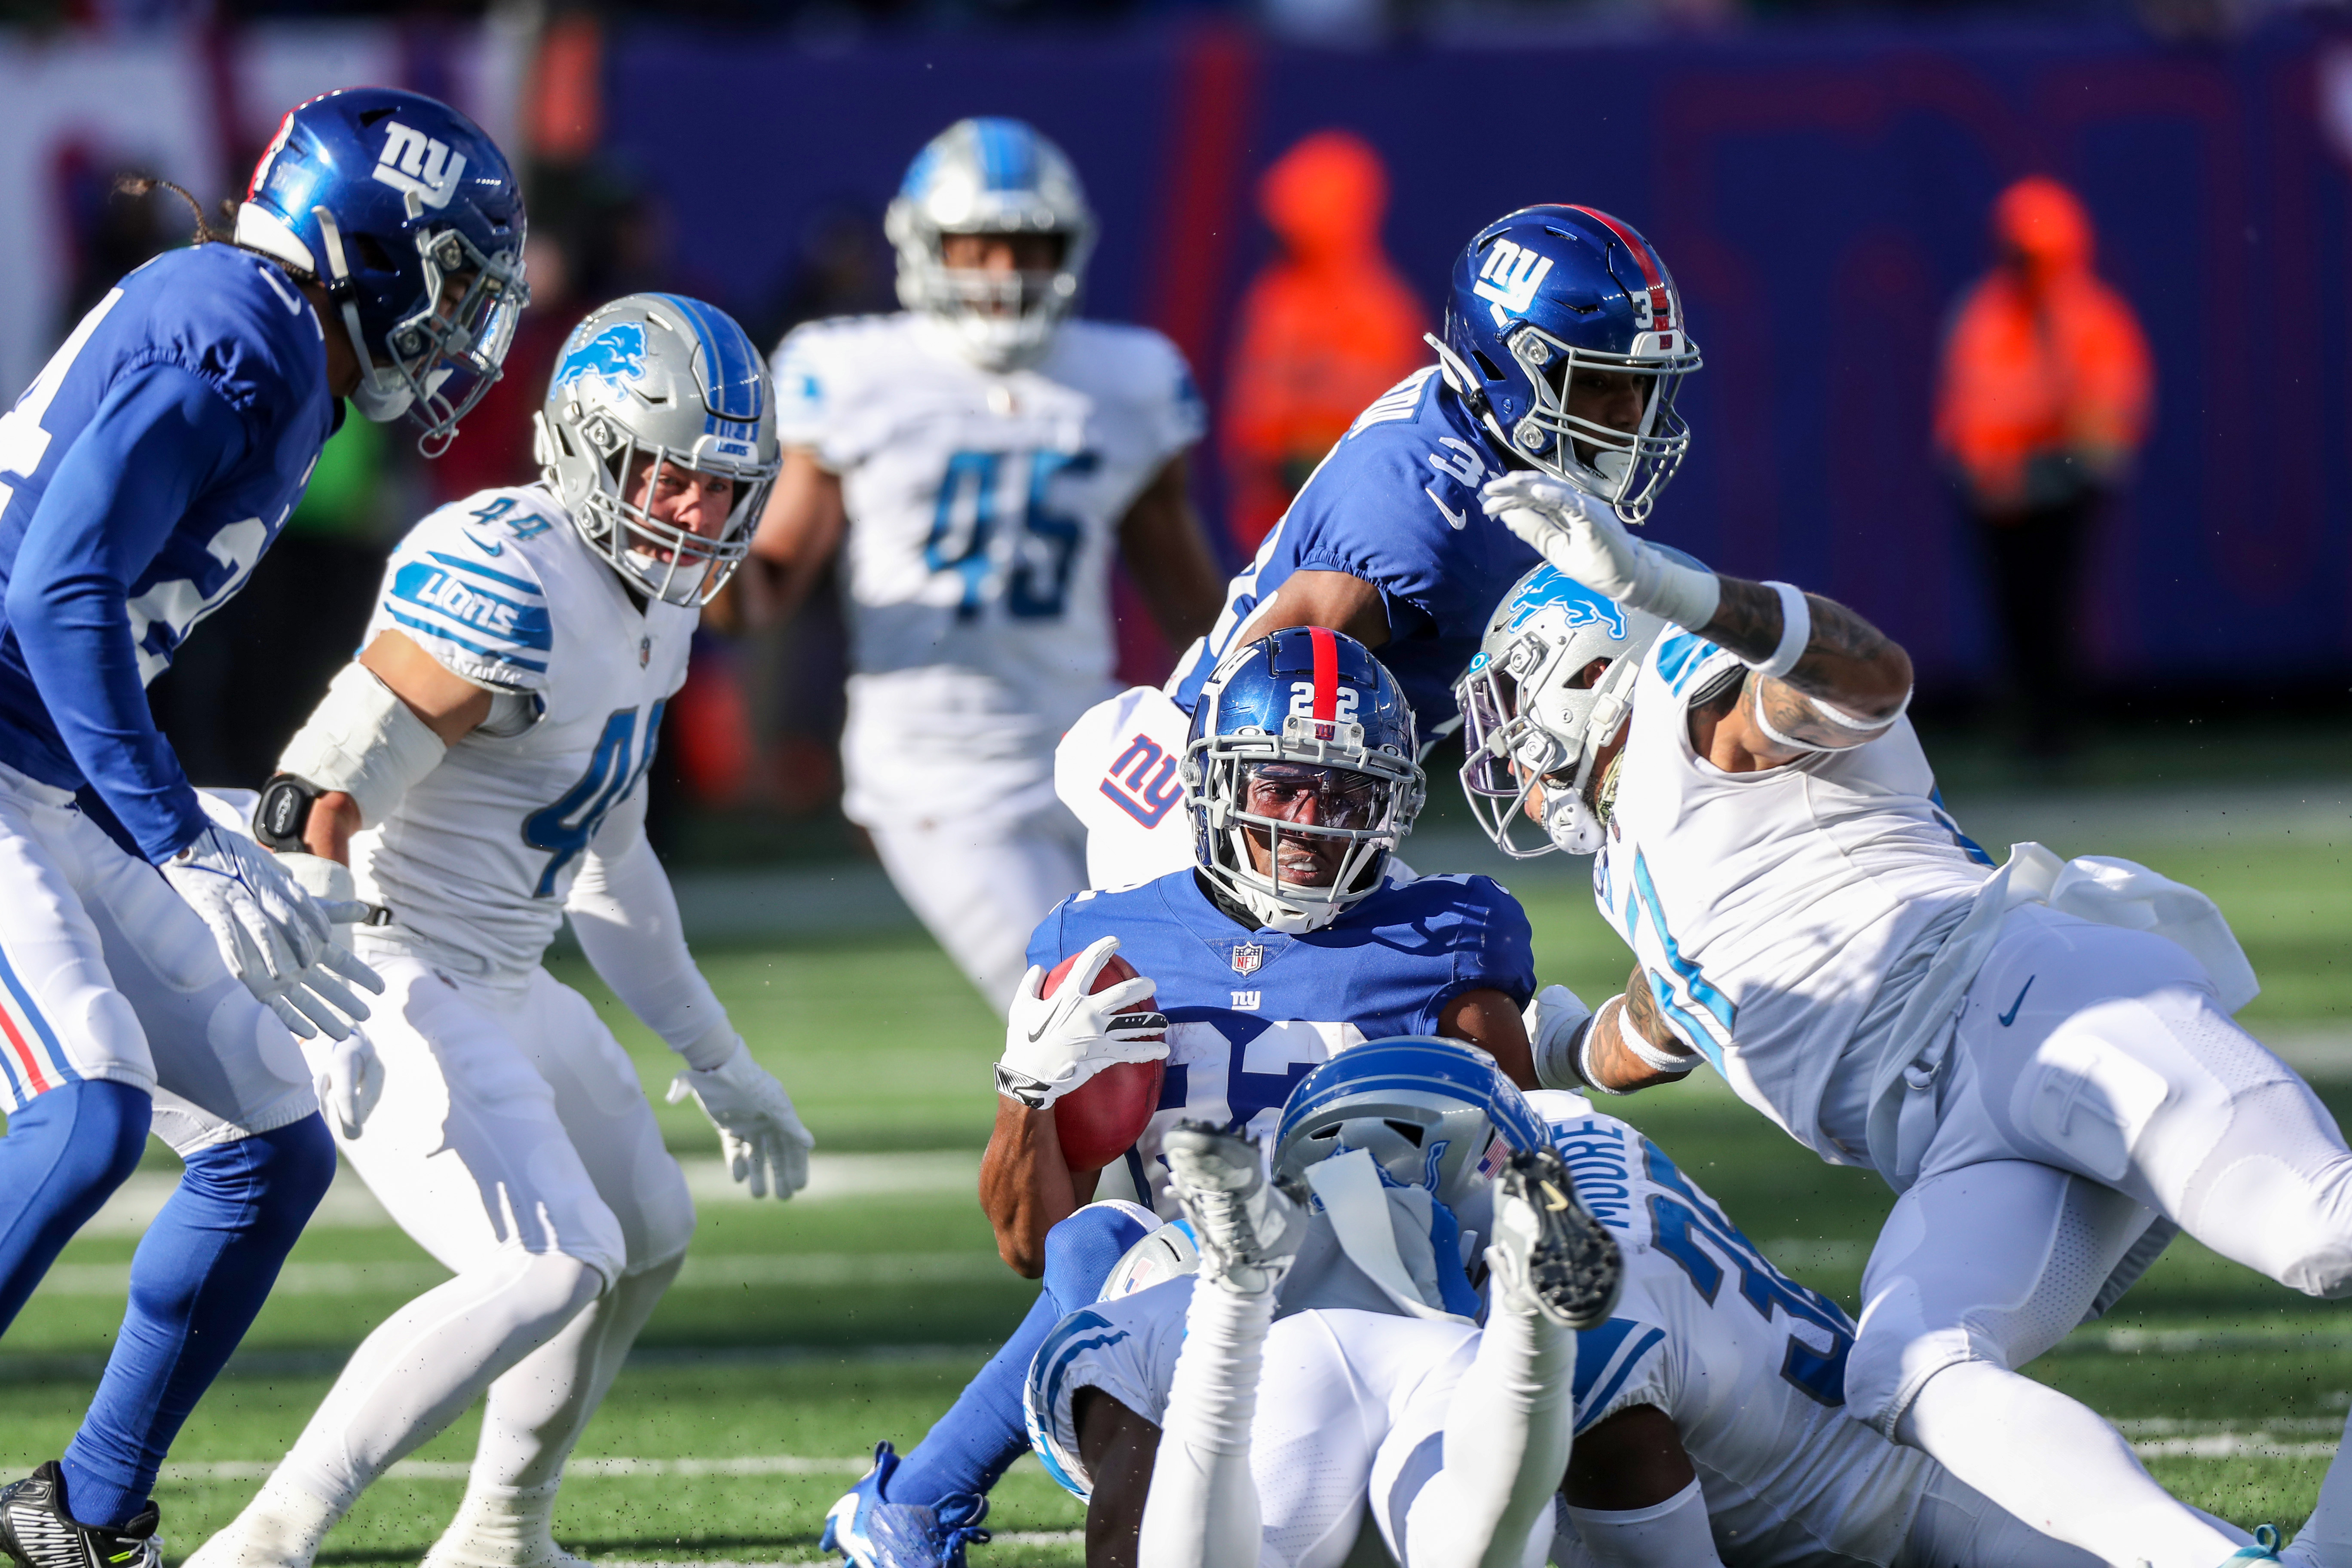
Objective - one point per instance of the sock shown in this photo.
(429, 1362)
(1203, 1507)
(2326, 1538)
(538, 1411)
(65, 1153)
(983, 1431)
(1508, 1427)
(283, 1525)
(199, 1277)
(500, 1527)
(2055, 1465)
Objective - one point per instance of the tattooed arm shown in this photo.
(1610, 1063)
(1851, 683)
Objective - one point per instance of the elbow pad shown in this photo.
(365, 741)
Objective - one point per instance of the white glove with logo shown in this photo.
(759, 1132)
(1584, 538)
(1053, 1043)
(275, 937)
(1555, 1022)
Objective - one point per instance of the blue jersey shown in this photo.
(142, 476)
(1250, 1012)
(1395, 504)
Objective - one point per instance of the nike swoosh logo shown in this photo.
(2011, 1016)
(488, 549)
(1453, 519)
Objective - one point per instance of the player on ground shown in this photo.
(975, 460)
(478, 765)
(378, 258)
(1288, 941)
(1564, 349)
(2053, 1086)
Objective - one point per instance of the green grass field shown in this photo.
(802, 1333)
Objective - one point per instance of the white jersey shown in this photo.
(500, 588)
(1749, 1364)
(983, 509)
(1782, 917)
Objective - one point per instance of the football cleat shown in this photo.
(37, 1532)
(2264, 1550)
(1548, 1251)
(1247, 1228)
(869, 1530)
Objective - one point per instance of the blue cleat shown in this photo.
(2264, 1550)
(869, 1530)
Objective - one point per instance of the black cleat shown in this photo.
(37, 1532)
(1552, 1250)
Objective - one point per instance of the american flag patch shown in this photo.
(1498, 1155)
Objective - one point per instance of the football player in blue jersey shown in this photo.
(1564, 350)
(1290, 937)
(377, 257)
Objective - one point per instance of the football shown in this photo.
(1099, 1120)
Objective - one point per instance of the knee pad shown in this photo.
(74, 1144)
(1081, 1251)
(1894, 1354)
(281, 1173)
(554, 1285)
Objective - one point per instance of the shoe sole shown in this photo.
(1574, 1268)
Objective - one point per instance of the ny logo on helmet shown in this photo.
(414, 163)
(1509, 280)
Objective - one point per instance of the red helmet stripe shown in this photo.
(1661, 306)
(1326, 672)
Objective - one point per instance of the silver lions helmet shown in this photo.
(1550, 685)
(646, 380)
(991, 176)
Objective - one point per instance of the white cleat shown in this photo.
(1248, 1230)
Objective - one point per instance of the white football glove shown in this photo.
(759, 1132)
(1053, 1043)
(350, 1080)
(274, 936)
(1585, 538)
(1555, 1022)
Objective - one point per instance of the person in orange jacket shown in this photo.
(1326, 327)
(2046, 391)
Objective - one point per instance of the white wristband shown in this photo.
(1796, 632)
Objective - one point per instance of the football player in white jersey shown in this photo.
(477, 766)
(2038, 1056)
(976, 459)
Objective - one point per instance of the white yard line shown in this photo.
(455, 1469)
(706, 1271)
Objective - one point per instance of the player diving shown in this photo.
(2038, 1057)
(1563, 352)
(155, 969)
(975, 460)
(477, 766)
(1291, 939)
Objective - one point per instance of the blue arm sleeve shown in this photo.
(159, 439)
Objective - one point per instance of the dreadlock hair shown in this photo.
(146, 184)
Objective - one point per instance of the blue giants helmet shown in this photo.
(1306, 711)
(408, 216)
(1551, 310)
(1434, 1113)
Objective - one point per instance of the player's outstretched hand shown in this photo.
(1053, 1043)
(274, 936)
(1584, 537)
(350, 1080)
(759, 1132)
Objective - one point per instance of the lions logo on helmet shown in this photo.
(647, 379)
(991, 176)
(1550, 688)
(410, 216)
(1305, 712)
(1549, 307)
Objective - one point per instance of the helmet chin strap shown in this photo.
(379, 402)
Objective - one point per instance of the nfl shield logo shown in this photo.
(1248, 956)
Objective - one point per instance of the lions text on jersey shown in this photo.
(1783, 917)
(1396, 504)
(202, 382)
(497, 587)
(983, 513)
(1250, 1012)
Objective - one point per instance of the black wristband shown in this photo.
(283, 815)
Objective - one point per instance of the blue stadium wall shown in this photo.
(1821, 196)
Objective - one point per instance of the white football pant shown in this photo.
(982, 884)
(107, 974)
(2094, 1089)
(513, 1142)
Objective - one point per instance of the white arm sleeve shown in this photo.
(1202, 1510)
(1671, 1534)
(626, 918)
